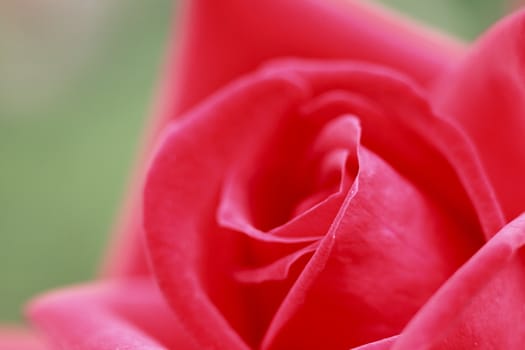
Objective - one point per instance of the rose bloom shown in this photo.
(318, 175)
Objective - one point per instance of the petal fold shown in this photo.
(481, 304)
(192, 256)
(485, 95)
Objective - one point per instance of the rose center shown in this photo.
(294, 177)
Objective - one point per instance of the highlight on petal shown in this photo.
(481, 304)
(17, 338)
(110, 315)
(485, 95)
(383, 344)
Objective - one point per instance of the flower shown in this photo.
(359, 195)
(312, 205)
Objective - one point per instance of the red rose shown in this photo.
(355, 196)
(313, 205)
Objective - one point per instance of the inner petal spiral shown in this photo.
(292, 190)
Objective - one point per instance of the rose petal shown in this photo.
(481, 304)
(383, 344)
(223, 40)
(269, 262)
(12, 338)
(427, 139)
(400, 125)
(387, 237)
(108, 316)
(485, 94)
(336, 146)
(232, 215)
(193, 258)
(277, 270)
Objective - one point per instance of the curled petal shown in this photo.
(278, 270)
(383, 344)
(336, 145)
(482, 303)
(192, 257)
(374, 245)
(400, 125)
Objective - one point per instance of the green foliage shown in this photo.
(464, 18)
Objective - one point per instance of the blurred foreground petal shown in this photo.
(14, 338)
(108, 316)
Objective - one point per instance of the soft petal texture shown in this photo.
(307, 193)
(223, 40)
(358, 312)
(12, 338)
(343, 286)
(108, 316)
(409, 156)
(191, 257)
(485, 94)
(401, 126)
(226, 40)
(383, 344)
(482, 305)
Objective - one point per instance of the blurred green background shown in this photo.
(76, 80)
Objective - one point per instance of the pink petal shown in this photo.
(387, 237)
(15, 338)
(225, 40)
(430, 151)
(383, 344)
(191, 255)
(485, 94)
(482, 303)
(313, 222)
(278, 270)
(108, 316)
